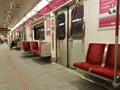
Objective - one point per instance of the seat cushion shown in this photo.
(107, 72)
(26, 49)
(35, 51)
(85, 65)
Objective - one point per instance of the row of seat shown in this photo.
(37, 47)
(94, 61)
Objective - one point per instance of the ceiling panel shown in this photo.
(16, 13)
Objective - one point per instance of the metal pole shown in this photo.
(116, 43)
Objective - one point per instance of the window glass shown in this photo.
(77, 22)
(39, 32)
(60, 26)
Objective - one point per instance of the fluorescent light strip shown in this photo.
(38, 7)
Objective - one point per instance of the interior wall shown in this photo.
(27, 33)
(47, 37)
(93, 33)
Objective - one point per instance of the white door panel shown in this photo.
(62, 43)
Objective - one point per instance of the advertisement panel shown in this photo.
(48, 27)
(107, 13)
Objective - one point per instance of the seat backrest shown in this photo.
(95, 53)
(109, 62)
(26, 45)
(34, 45)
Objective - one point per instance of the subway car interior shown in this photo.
(74, 44)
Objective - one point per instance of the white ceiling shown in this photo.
(16, 14)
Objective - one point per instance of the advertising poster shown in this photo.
(48, 27)
(107, 13)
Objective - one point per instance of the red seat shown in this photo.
(26, 46)
(94, 57)
(36, 51)
(34, 47)
(108, 70)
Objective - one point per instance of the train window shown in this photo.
(42, 33)
(39, 32)
(60, 26)
(77, 22)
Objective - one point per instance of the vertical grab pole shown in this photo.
(116, 43)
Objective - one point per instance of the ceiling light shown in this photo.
(49, 0)
(16, 5)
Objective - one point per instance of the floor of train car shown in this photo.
(25, 71)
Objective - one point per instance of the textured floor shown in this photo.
(25, 71)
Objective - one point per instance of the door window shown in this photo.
(77, 22)
(60, 26)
